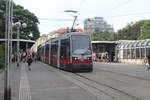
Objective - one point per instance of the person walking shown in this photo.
(29, 61)
(148, 60)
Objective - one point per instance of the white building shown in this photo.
(91, 24)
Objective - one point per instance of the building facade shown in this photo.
(91, 24)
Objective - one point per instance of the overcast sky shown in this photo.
(115, 12)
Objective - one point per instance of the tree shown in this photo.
(24, 16)
(102, 36)
(2, 18)
(135, 31)
(144, 29)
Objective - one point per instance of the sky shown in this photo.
(115, 12)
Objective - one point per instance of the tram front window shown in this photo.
(81, 45)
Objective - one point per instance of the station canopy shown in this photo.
(133, 43)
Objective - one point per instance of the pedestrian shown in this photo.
(148, 60)
(29, 61)
(24, 56)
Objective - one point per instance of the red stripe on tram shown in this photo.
(66, 61)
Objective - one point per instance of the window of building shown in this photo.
(138, 52)
(142, 52)
(133, 53)
(124, 53)
(148, 50)
(128, 53)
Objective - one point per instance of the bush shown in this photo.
(2, 56)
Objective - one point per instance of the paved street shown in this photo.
(108, 81)
(128, 79)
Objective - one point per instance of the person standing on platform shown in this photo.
(29, 61)
(148, 60)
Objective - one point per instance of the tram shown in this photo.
(70, 51)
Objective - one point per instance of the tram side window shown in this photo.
(65, 49)
(42, 51)
(54, 49)
(47, 50)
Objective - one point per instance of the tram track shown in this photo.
(112, 88)
(99, 89)
(127, 75)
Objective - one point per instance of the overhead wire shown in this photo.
(126, 15)
(117, 6)
(115, 16)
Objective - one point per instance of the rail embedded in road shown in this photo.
(100, 90)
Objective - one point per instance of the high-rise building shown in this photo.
(91, 24)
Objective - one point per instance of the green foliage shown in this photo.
(2, 56)
(2, 18)
(137, 31)
(24, 16)
(145, 29)
(102, 36)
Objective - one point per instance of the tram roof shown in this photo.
(64, 35)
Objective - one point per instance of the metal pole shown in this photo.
(7, 88)
(6, 59)
(75, 17)
(18, 46)
(10, 57)
(26, 46)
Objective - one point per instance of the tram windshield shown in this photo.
(81, 45)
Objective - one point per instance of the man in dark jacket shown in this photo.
(29, 61)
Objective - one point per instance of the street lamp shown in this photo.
(19, 25)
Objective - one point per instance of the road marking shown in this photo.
(24, 90)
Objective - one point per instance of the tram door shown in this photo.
(64, 52)
(47, 54)
(54, 53)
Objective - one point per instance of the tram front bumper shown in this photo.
(79, 67)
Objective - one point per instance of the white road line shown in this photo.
(24, 91)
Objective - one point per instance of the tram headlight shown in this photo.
(74, 58)
(89, 58)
